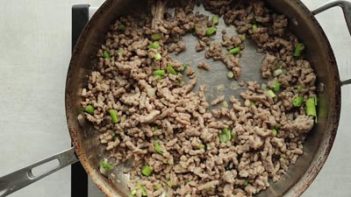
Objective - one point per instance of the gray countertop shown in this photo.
(35, 47)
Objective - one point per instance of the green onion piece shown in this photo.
(143, 190)
(156, 36)
(225, 136)
(276, 86)
(133, 193)
(278, 72)
(263, 86)
(254, 27)
(230, 75)
(211, 31)
(105, 165)
(242, 37)
(299, 47)
(106, 55)
(297, 101)
(275, 132)
(215, 20)
(311, 107)
(246, 183)
(184, 67)
(159, 73)
(270, 93)
(120, 51)
(154, 45)
(200, 146)
(89, 109)
(146, 170)
(158, 57)
(171, 70)
(157, 147)
(114, 115)
(235, 50)
(121, 27)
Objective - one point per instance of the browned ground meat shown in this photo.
(163, 123)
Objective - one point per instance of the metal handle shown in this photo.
(25, 176)
(346, 7)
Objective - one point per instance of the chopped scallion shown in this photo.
(146, 170)
(158, 147)
(276, 86)
(230, 75)
(156, 36)
(154, 45)
(106, 166)
(211, 31)
(225, 136)
(311, 107)
(121, 27)
(159, 73)
(299, 47)
(171, 70)
(235, 50)
(114, 115)
(106, 55)
(278, 72)
(270, 94)
(275, 132)
(297, 101)
(89, 109)
(215, 20)
(246, 183)
(157, 57)
(254, 27)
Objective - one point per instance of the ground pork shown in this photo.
(146, 107)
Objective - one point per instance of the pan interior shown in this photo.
(302, 24)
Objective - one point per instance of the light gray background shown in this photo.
(35, 47)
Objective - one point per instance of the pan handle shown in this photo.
(25, 176)
(346, 7)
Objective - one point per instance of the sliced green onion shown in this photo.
(311, 107)
(158, 57)
(159, 73)
(184, 67)
(89, 109)
(235, 50)
(157, 147)
(278, 72)
(275, 132)
(276, 86)
(133, 193)
(106, 166)
(154, 45)
(215, 20)
(146, 170)
(171, 70)
(270, 93)
(299, 47)
(254, 27)
(264, 86)
(114, 115)
(242, 37)
(230, 75)
(200, 146)
(120, 51)
(211, 31)
(106, 55)
(156, 36)
(246, 183)
(121, 27)
(297, 101)
(225, 136)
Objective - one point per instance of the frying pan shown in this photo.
(86, 146)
